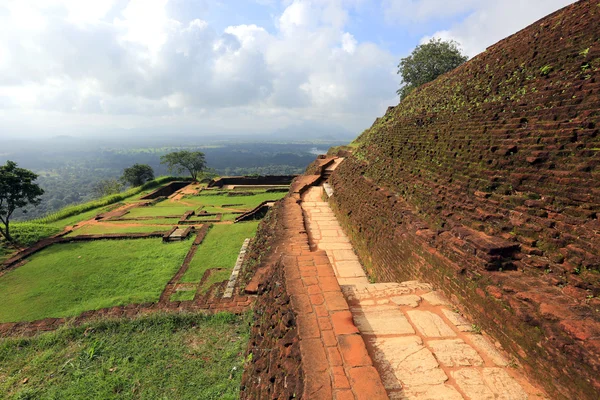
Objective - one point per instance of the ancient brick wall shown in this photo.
(165, 191)
(274, 369)
(252, 180)
(486, 183)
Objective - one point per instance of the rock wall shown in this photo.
(274, 365)
(485, 182)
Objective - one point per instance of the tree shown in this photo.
(138, 174)
(180, 161)
(17, 189)
(106, 187)
(427, 62)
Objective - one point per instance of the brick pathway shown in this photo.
(421, 347)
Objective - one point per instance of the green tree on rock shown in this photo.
(184, 160)
(427, 62)
(17, 189)
(138, 174)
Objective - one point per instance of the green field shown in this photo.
(247, 202)
(67, 279)
(101, 228)
(219, 249)
(161, 356)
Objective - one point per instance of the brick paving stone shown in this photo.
(334, 356)
(458, 320)
(353, 281)
(410, 361)
(354, 352)
(430, 324)
(488, 349)
(410, 300)
(339, 378)
(344, 255)
(308, 328)
(344, 395)
(436, 299)
(367, 384)
(335, 301)
(382, 321)
(432, 392)
(329, 338)
(489, 383)
(455, 353)
(342, 323)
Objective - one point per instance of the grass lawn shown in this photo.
(215, 276)
(156, 211)
(182, 295)
(101, 228)
(67, 279)
(219, 249)
(247, 202)
(160, 356)
(157, 221)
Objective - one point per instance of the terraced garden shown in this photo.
(85, 270)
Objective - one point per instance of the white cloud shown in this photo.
(487, 21)
(134, 62)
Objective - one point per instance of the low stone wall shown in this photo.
(274, 369)
(166, 190)
(252, 180)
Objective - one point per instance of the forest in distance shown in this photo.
(69, 167)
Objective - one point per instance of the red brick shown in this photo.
(310, 280)
(334, 356)
(367, 384)
(321, 311)
(325, 270)
(311, 272)
(335, 301)
(329, 284)
(313, 289)
(303, 264)
(295, 286)
(308, 327)
(339, 378)
(325, 323)
(329, 338)
(354, 352)
(317, 299)
(343, 323)
(301, 304)
(344, 395)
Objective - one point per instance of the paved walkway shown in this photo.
(421, 347)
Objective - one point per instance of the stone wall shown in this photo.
(252, 180)
(274, 365)
(165, 191)
(485, 183)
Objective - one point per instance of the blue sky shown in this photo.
(212, 66)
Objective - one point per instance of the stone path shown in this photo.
(421, 347)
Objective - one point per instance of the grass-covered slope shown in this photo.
(153, 357)
(67, 279)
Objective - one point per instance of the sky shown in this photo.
(92, 67)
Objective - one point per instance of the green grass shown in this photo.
(161, 356)
(27, 233)
(215, 277)
(67, 279)
(247, 202)
(78, 209)
(183, 295)
(103, 229)
(157, 221)
(155, 211)
(219, 249)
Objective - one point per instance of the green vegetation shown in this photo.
(161, 356)
(216, 275)
(427, 62)
(137, 174)
(78, 209)
(26, 233)
(185, 160)
(183, 295)
(101, 228)
(219, 249)
(163, 209)
(156, 221)
(67, 279)
(17, 190)
(245, 202)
